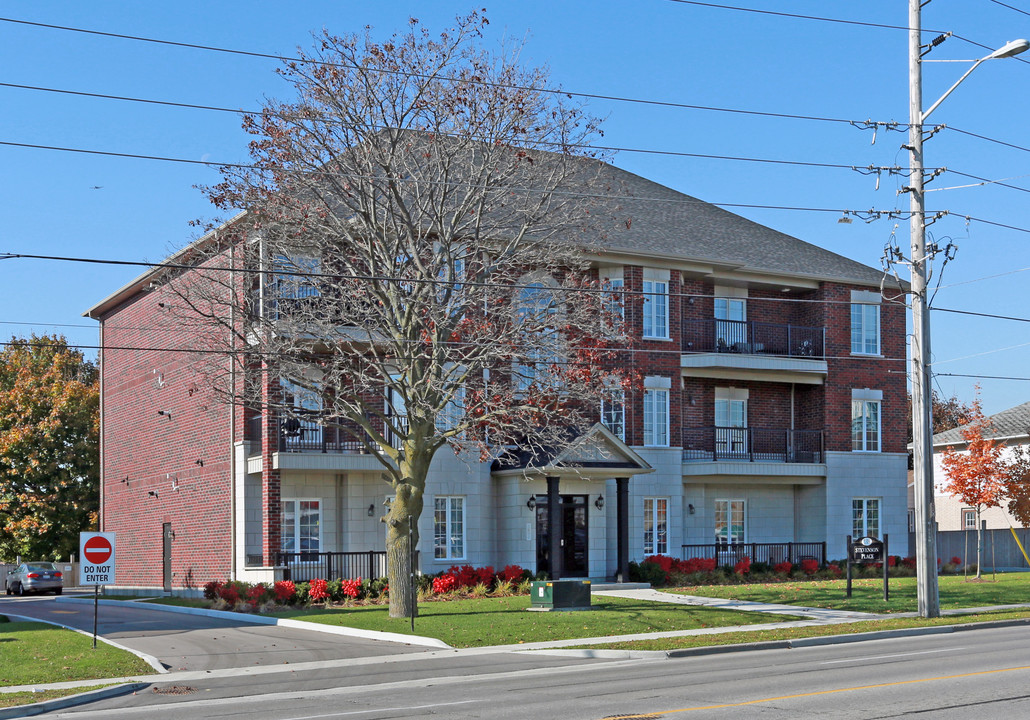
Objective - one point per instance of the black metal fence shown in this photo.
(305, 436)
(752, 445)
(752, 338)
(305, 566)
(772, 553)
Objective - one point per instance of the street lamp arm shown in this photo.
(1008, 50)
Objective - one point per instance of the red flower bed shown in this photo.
(809, 566)
(743, 567)
(284, 591)
(783, 568)
(319, 589)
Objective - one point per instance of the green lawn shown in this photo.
(27, 698)
(34, 653)
(867, 594)
(505, 621)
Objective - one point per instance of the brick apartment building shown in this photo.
(770, 421)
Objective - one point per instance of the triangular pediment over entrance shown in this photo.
(597, 453)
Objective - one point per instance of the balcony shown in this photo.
(745, 350)
(765, 456)
(308, 445)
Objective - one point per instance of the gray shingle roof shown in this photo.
(657, 220)
(1014, 422)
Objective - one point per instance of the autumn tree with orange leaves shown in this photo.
(49, 440)
(978, 475)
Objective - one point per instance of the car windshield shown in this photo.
(40, 566)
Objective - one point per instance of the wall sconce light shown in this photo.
(126, 480)
(371, 509)
(690, 508)
(599, 502)
(165, 413)
(691, 400)
(531, 503)
(199, 462)
(152, 493)
(175, 483)
(690, 300)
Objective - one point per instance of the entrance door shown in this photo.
(166, 555)
(575, 559)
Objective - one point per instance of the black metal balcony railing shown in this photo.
(772, 553)
(304, 566)
(304, 436)
(749, 444)
(752, 338)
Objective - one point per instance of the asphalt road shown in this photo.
(192, 642)
(982, 674)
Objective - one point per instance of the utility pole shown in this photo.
(922, 451)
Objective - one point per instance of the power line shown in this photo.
(611, 148)
(1010, 7)
(873, 213)
(388, 278)
(979, 314)
(982, 377)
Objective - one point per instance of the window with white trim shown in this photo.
(730, 317)
(537, 311)
(449, 528)
(865, 517)
(656, 417)
(613, 299)
(613, 411)
(731, 421)
(968, 519)
(865, 425)
(301, 526)
(656, 529)
(656, 303)
(865, 329)
(729, 522)
(452, 412)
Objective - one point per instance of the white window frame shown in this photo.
(449, 534)
(295, 533)
(865, 322)
(656, 411)
(728, 505)
(968, 514)
(731, 402)
(861, 425)
(655, 290)
(453, 411)
(656, 526)
(613, 411)
(541, 353)
(730, 312)
(866, 529)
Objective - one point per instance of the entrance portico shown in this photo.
(563, 531)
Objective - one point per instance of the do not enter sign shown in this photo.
(96, 551)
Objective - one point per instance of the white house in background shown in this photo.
(1011, 428)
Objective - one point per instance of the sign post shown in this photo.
(866, 550)
(97, 566)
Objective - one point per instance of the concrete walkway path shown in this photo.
(816, 615)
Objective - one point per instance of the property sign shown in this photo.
(96, 551)
(866, 550)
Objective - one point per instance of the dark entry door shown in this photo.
(166, 555)
(575, 559)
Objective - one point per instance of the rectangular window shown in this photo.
(969, 519)
(731, 422)
(656, 304)
(865, 517)
(865, 425)
(452, 412)
(614, 302)
(730, 323)
(301, 528)
(656, 417)
(865, 329)
(613, 412)
(656, 538)
(729, 522)
(449, 528)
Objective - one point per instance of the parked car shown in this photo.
(34, 577)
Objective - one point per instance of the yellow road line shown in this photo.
(813, 694)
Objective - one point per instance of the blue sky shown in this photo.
(658, 50)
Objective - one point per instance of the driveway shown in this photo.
(194, 642)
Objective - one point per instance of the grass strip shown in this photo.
(867, 594)
(27, 698)
(33, 653)
(505, 621)
(745, 637)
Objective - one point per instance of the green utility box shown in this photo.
(547, 595)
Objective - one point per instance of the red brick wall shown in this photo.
(144, 371)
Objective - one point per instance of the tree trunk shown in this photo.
(979, 543)
(405, 511)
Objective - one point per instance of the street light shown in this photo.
(922, 433)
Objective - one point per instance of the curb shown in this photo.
(844, 639)
(70, 701)
(282, 622)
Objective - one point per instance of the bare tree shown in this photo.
(412, 266)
